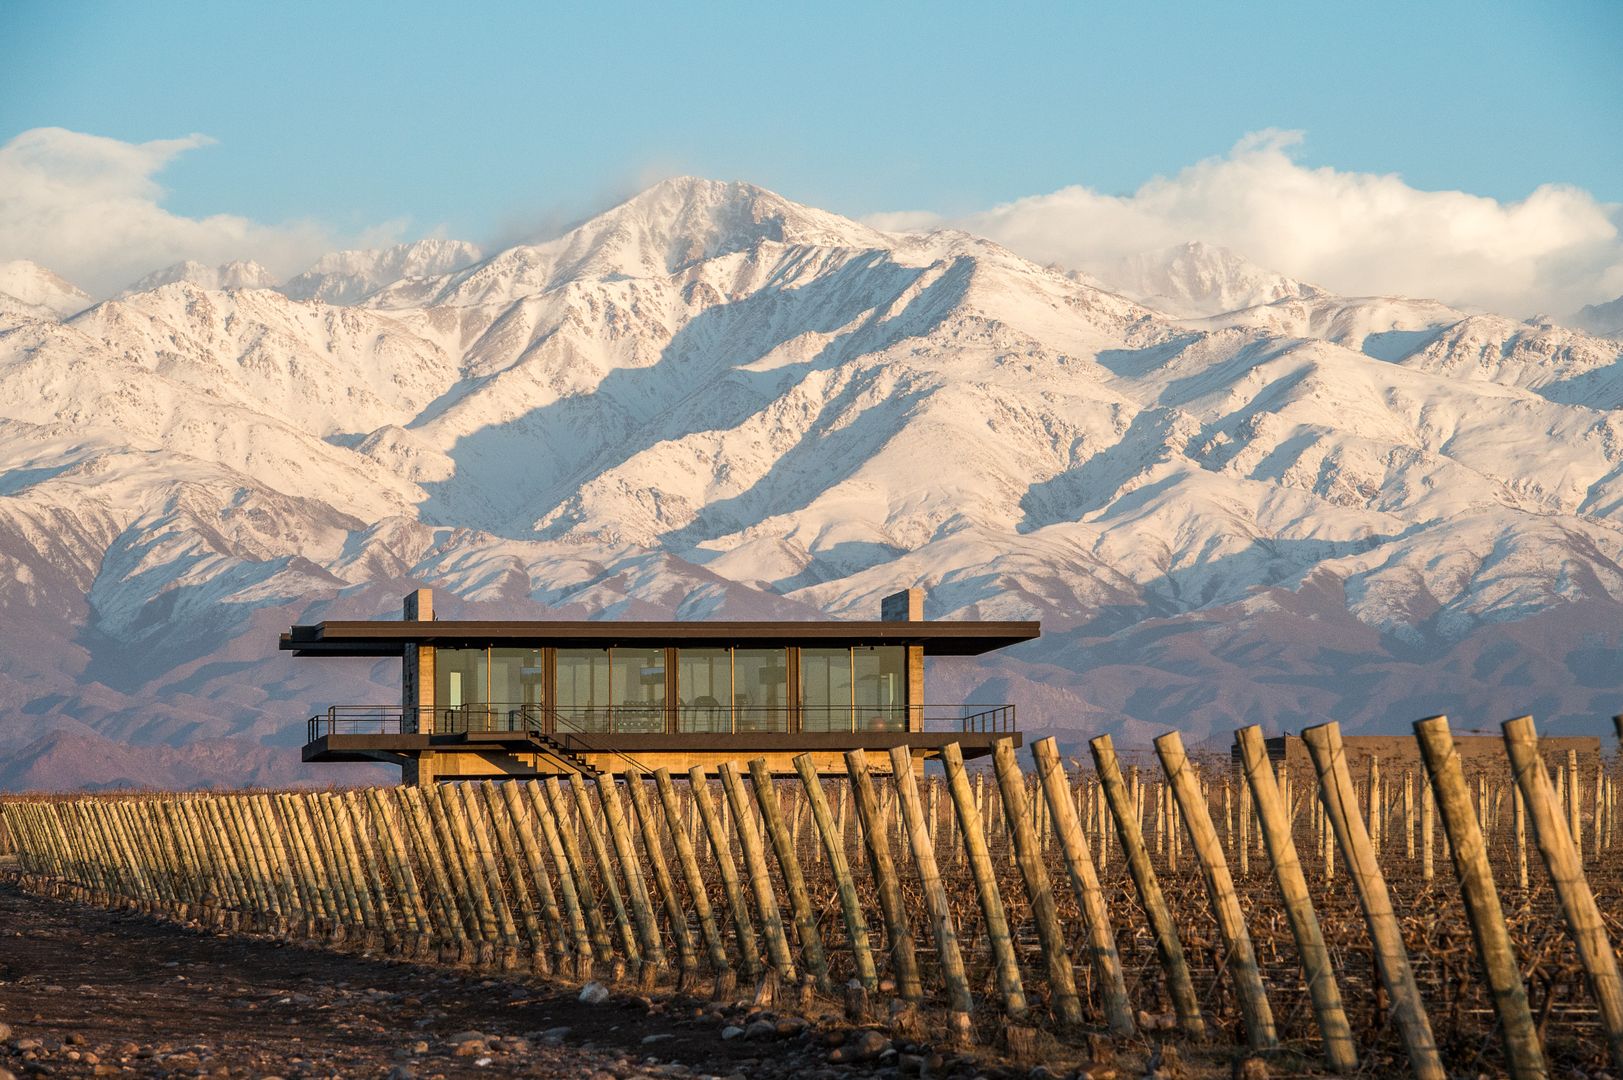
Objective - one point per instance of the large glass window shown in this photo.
(583, 690)
(704, 689)
(880, 687)
(637, 687)
(516, 687)
(760, 689)
(460, 690)
(825, 689)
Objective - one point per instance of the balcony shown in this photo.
(645, 721)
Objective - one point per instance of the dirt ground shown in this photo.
(87, 992)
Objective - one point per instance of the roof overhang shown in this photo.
(941, 638)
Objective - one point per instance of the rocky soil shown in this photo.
(86, 992)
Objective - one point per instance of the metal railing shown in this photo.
(637, 719)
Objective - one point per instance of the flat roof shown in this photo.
(380, 638)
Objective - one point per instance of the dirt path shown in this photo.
(87, 992)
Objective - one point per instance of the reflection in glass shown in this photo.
(460, 690)
(879, 687)
(760, 686)
(515, 688)
(637, 689)
(825, 689)
(583, 690)
(704, 690)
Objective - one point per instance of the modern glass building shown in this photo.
(483, 699)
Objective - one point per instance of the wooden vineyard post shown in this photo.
(1085, 881)
(1427, 804)
(1340, 1050)
(591, 934)
(833, 846)
(396, 848)
(533, 852)
(1391, 960)
(350, 808)
(463, 887)
(1523, 1053)
(519, 855)
(903, 960)
(419, 827)
(1242, 958)
(1408, 816)
(744, 930)
(794, 880)
(1575, 805)
(550, 806)
(1050, 935)
(981, 870)
(495, 917)
(726, 979)
(1245, 838)
(298, 839)
(1518, 810)
(749, 844)
(600, 856)
(687, 956)
(1137, 857)
(1600, 809)
(1374, 807)
(1555, 843)
(959, 1003)
(642, 909)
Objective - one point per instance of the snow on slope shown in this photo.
(34, 287)
(711, 402)
(1198, 279)
(348, 277)
(239, 274)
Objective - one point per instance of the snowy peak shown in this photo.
(347, 277)
(32, 286)
(686, 220)
(237, 274)
(674, 225)
(1198, 279)
(245, 274)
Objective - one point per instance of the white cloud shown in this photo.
(1354, 233)
(88, 207)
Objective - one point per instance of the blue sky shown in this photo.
(479, 116)
(498, 122)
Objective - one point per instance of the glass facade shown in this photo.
(637, 689)
(583, 690)
(825, 690)
(461, 689)
(647, 690)
(517, 684)
(704, 690)
(760, 689)
(879, 686)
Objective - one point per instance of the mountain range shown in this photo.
(1228, 495)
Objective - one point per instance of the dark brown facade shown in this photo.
(491, 699)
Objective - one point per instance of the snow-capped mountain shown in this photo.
(713, 402)
(28, 288)
(348, 277)
(237, 274)
(1198, 279)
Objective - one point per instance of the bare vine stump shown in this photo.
(766, 991)
(856, 1002)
